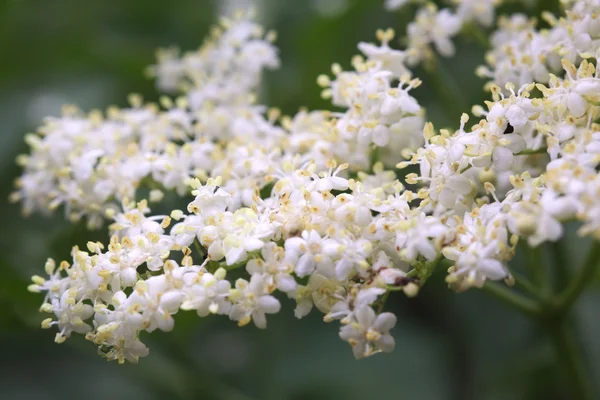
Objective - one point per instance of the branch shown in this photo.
(511, 298)
(584, 277)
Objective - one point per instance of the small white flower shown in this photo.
(206, 293)
(307, 253)
(251, 301)
(274, 266)
(369, 333)
(420, 235)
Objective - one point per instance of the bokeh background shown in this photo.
(93, 53)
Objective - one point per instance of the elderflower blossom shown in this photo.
(435, 28)
(309, 206)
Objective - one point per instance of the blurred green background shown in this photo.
(93, 53)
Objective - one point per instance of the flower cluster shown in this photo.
(434, 29)
(91, 163)
(521, 54)
(309, 207)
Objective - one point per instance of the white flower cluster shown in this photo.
(308, 207)
(91, 163)
(521, 54)
(435, 28)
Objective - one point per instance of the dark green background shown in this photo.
(93, 53)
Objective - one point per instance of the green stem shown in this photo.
(394, 288)
(412, 273)
(562, 272)
(374, 155)
(524, 283)
(382, 301)
(570, 359)
(478, 34)
(584, 277)
(554, 314)
(468, 167)
(540, 276)
(511, 298)
(199, 249)
(542, 150)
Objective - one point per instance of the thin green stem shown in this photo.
(382, 302)
(523, 283)
(478, 34)
(570, 359)
(527, 152)
(511, 298)
(534, 266)
(468, 167)
(374, 155)
(562, 272)
(584, 277)
(394, 288)
(199, 249)
(543, 274)
(554, 314)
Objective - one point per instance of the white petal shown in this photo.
(365, 316)
(348, 332)
(381, 136)
(459, 184)
(260, 319)
(305, 265)
(385, 322)
(303, 308)
(285, 283)
(253, 244)
(503, 158)
(343, 268)
(516, 116)
(492, 269)
(576, 105)
(171, 300)
(386, 343)
(366, 297)
(268, 304)
(427, 249)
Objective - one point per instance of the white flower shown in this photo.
(329, 180)
(157, 302)
(356, 299)
(70, 315)
(390, 59)
(251, 301)
(432, 26)
(307, 253)
(420, 235)
(274, 266)
(388, 271)
(206, 293)
(210, 199)
(321, 291)
(369, 333)
(481, 11)
(480, 249)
